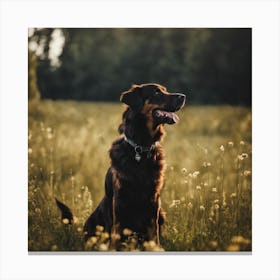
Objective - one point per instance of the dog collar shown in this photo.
(140, 149)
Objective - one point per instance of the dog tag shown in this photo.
(137, 157)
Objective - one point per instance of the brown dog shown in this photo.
(135, 178)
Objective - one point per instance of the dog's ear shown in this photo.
(132, 98)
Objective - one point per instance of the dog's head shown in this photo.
(155, 103)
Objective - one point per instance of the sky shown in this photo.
(56, 46)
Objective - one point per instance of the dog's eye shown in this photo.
(157, 92)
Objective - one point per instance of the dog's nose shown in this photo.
(181, 96)
(181, 99)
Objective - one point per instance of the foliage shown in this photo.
(213, 66)
(207, 191)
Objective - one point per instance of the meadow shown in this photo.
(207, 191)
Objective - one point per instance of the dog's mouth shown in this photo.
(163, 117)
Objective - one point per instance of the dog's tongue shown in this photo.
(166, 117)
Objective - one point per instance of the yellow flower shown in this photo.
(54, 248)
(103, 247)
(233, 248)
(213, 244)
(230, 143)
(92, 240)
(65, 221)
(201, 207)
(233, 195)
(244, 155)
(127, 231)
(198, 188)
(222, 148)
(99, 228)
(195, 174)
(190, 205)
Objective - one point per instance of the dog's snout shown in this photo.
(181, 96)
(181, 99)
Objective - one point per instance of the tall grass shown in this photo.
(207, 190)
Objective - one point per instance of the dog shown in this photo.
(135, 178)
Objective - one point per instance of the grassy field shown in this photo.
(207, 190)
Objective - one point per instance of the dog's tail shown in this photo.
(66, 213)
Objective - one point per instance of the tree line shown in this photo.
(211, 65)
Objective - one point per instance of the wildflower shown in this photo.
(171, 168)
(79, 229)
(198, 188)
(65, 221)
(216, 201)
(152, 243)
(237, 239)
(240, 240)
(230, 143)
(205, 184)
(190, 205)
(206, 164)
(214, 189)
(247, 173)
(103, 247)
(54, 248)
(99, 228)
(92, 240)
(242, 143)
(79, 195)
(213, 244)
(195, 174)
(184, 170)
(233, 195)
(240, 157)
(175, 203)
(38, 211)
(218, 178)
(233, 248)
(201, 207)
(115, 236)
(105, 235)
(216, 206)
(127, 231)
(222, 148)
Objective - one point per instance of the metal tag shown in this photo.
(137, 157)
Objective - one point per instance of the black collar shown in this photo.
(141, 149)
